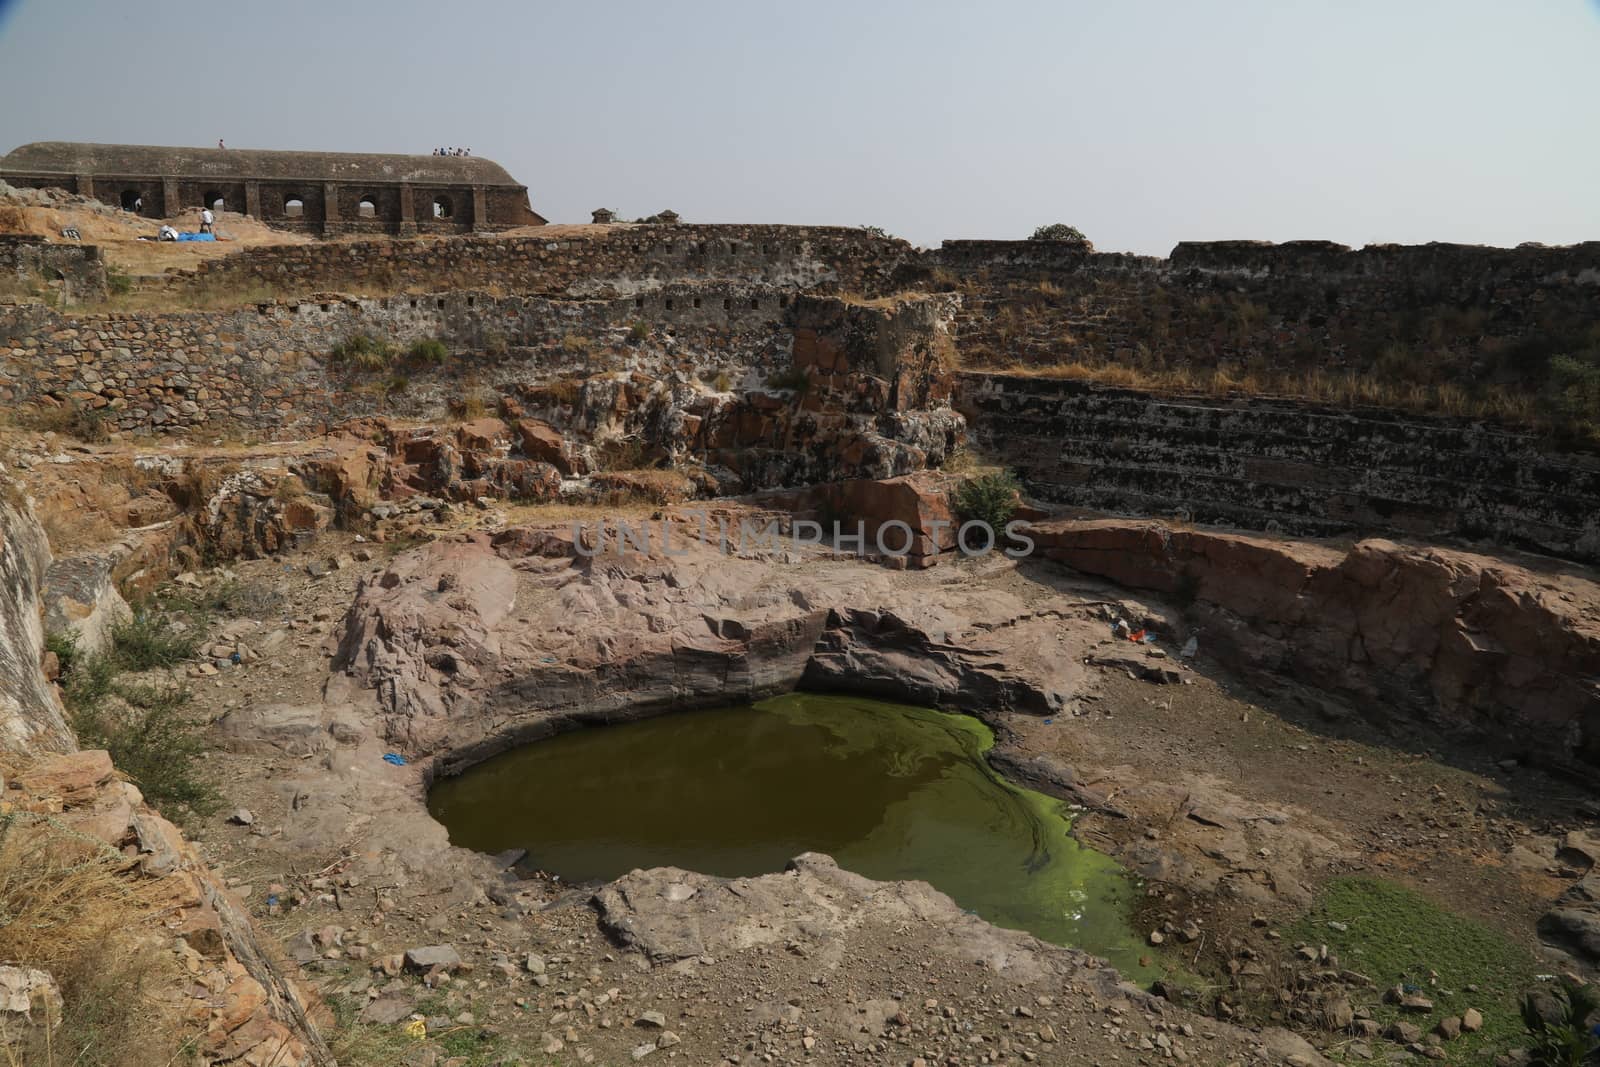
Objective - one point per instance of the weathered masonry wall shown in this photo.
(1406, 314)
(268, 368)
(1279, 465)
(25, 259)
(627, 261)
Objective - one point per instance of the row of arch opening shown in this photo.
(294, 204)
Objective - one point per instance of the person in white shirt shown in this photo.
(206, 219)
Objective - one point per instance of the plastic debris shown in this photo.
(1190, 647)
(394, 758)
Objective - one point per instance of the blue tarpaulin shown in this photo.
(196, 237)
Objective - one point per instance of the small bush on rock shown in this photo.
(1058, 231)
(363, 352)
(988, 498)
(427, 352)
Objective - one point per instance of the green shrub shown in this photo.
(151, 739)
(577, 343)
(362, 352)
(988, 498)
(1572, 393)
(793, 378)
(118, 283)
(89, 683)
(1559, 1026)
(638, 331)
(1058, 231)
(64, 643)
(144, 727)
(152, 639)
(427, 352)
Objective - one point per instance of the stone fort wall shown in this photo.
(266, 369)
(1275, 464)
(1413, 314)
(619, 261)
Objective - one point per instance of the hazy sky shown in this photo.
(1143, 122)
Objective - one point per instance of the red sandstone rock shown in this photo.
(74, 777)
(1479, 642)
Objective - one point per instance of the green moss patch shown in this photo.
(1397, 936)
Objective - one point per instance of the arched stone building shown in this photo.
(313, 192)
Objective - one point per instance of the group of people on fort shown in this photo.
(452, 151)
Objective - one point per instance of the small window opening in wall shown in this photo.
(702, 248)
(368, 207)
(766, 250)
(638, 302)
(439, 303)
(413, 303)
(669, 303)
(442, 208)
(132, 201)
(327, 307)
(471, 301)
(727, 303)
(697, 301)
(294, 207)
(783, 300)
(755, 303)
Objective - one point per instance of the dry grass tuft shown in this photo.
(66, 907)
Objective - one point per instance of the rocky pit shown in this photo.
(1334, 763)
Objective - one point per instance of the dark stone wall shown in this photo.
(622, 261)
(1267, 464)
(1421, 315)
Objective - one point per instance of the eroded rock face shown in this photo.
(671, 914)
(81, 595)
(31, 716)
(484, 642)
(1469, 642)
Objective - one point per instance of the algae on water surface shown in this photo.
(891, 792)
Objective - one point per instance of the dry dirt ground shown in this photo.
(46, 213)
(1288, 799)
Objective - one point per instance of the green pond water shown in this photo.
(889, 791)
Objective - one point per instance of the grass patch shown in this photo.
(358, 1044)
(428, 352)
(1397, 936)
